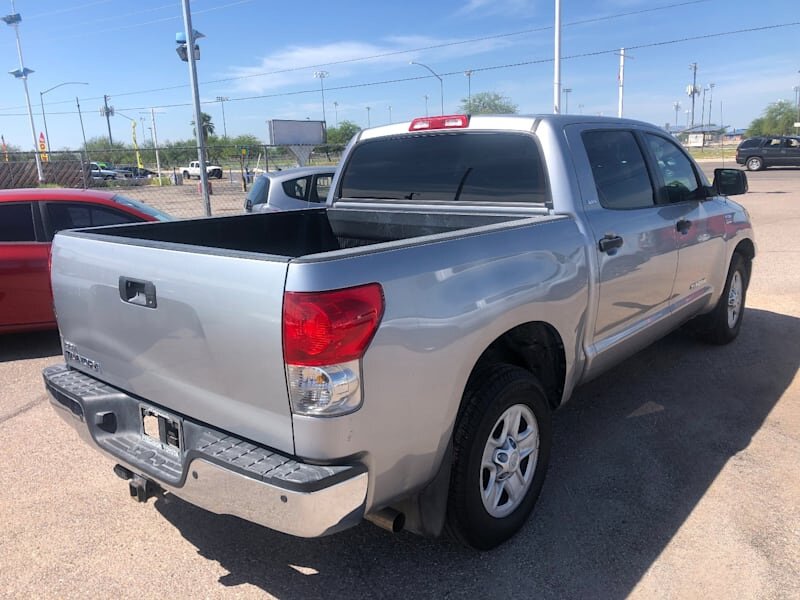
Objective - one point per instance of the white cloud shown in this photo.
(497, 7)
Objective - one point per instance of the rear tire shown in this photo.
(721, 325)
(754, 163)
(501, 447)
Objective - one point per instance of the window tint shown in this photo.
(792, 143)
(16, 223)
(619, 170)
(470, 167)
(74, 216)
(322, 184)
(296, 188)
(680, 180)
(751, 143)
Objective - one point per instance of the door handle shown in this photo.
(610, 242)
(137, 291)
(683, 226)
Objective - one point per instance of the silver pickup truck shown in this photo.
(394, 355)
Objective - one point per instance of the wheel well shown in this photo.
(535, 347)
(748, 251)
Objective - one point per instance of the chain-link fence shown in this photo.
(164, 180)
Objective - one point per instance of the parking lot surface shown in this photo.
(674, 475)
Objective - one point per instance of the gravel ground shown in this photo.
(674, 475)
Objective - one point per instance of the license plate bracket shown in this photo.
(162, 429)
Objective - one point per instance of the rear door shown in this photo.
(194, 330)
(635, 241)
(25, 298)
(792, 152)
(773, 151)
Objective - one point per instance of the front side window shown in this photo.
(16, 223)
(680, 180)
(619, 170)
(477, 167)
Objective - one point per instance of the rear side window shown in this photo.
(619, 170)
(16, 223)
(446, 167)
(296, 188)
(751, 143)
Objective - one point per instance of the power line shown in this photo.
(460, 72)
(380, 55)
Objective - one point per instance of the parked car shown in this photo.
(291, 189)
(773, 151)
(29, 219)
(101, 171)
(130, 172)
(193, 170)
(412, 337)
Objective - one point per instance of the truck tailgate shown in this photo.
(198, 333)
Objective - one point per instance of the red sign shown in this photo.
(43, 147)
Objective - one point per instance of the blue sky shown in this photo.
(126, 50)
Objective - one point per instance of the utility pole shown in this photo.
(426, 104)
(693, 91)
(677, 106)
(703, 110)
(321, 75)
(390, 113)
(336, 112)
(621, 81)
(369, 123)
(107, 114)
(155, 143)
(83, 131)
(557, 60)
(222, 100)
(710, 101)
(468, 73)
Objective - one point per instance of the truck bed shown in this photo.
(294, 234)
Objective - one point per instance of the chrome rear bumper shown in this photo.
(212, 469)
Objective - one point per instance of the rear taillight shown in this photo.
(325, 334)
(443, 122)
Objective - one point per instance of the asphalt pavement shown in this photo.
(675, 475)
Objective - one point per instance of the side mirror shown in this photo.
(729, 182)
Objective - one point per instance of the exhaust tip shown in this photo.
(388, 519)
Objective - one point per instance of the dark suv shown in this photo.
(774, 151)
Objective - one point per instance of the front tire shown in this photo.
(721, 325)
(501, 449)
(754, 163)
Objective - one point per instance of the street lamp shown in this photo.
(426, 104)
(188, 41)
(435, 74)
(336, 112)
(567, 92)
(369, 123)
(222, 100)
(677, 106)
(321, 75)
(41, 100)
(13, 20)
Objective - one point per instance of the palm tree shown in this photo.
(208, 126)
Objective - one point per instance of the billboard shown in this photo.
(695, 140)
(296, 133)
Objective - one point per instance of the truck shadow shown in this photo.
(634, 452)
(23, 346)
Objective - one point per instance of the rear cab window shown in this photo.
(466, 167)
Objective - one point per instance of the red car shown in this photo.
(29, 218)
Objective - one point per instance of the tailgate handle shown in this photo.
(137, 291)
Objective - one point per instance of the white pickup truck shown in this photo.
(395, 355)
(193, 170)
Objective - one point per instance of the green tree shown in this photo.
(488, 103)
(207, 126)
(339, 136)
(777, 119)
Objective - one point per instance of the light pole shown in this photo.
(692, 89)
(567, 92)
(222, 100)
(191, 50)
(703, 110)
(677, 106)
(435, 74)
(83, 131)
(336, 112)
(468, 73)
(390, 113)
(321, 75)
(41, 101)
(580, 109)
(22, 73)
(688, 112)
(426, 104)
(369, 123)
